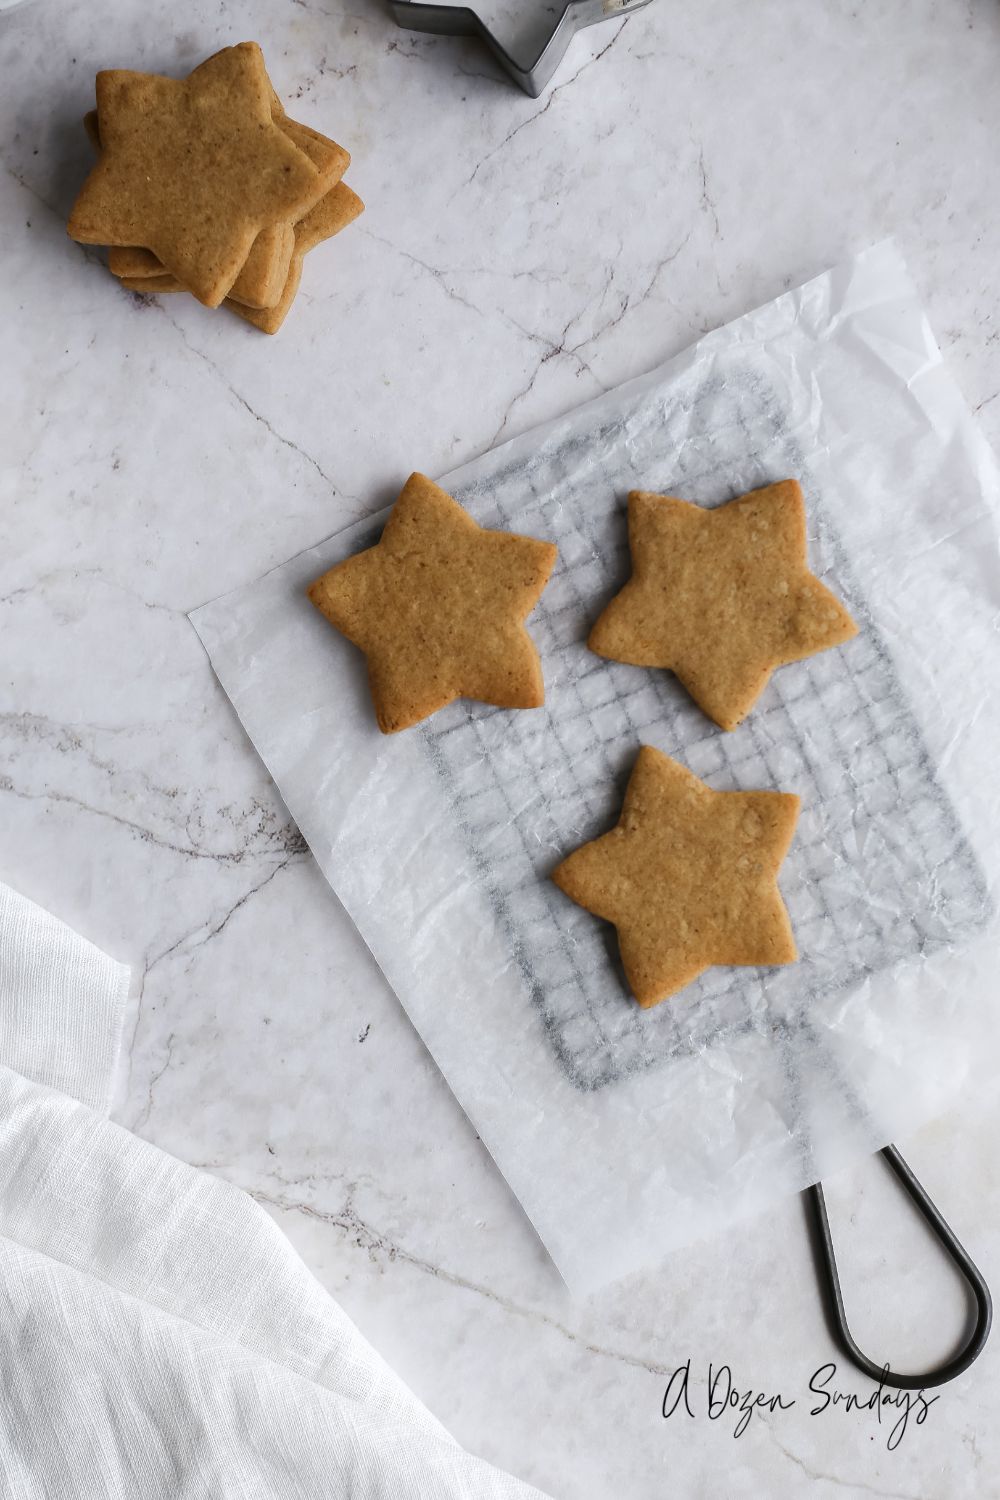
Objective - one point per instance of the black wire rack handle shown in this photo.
(955, 1249)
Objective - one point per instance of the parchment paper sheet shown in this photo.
(626, 1133)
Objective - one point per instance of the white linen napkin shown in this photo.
(158, 1334)
(61, 1003)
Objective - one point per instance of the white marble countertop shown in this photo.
(516, 257)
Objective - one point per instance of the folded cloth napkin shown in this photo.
(158, 1334)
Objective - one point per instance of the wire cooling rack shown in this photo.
(879, 871)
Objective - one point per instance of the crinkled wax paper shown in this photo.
(626, 1133)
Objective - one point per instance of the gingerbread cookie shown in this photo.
(264, 278)
(260, 283)
(333, 213)
(193, 170)
(438, 606)
(688, 876)
(268, 279)
(720, 597)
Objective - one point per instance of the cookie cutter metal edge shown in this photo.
(462, 20)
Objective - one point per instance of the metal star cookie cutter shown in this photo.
(462, 20)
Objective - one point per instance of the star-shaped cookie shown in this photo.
(267, 276)
(688, 876)
(720, 597)
(334, 211)
(193, 170)
(437, 606)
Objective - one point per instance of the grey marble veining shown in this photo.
(516, 257)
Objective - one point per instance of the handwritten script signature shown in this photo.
(723, 1398)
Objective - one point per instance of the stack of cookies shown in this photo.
(206, 186)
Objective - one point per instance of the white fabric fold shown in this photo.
(158, 1334)
(61, 1003)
